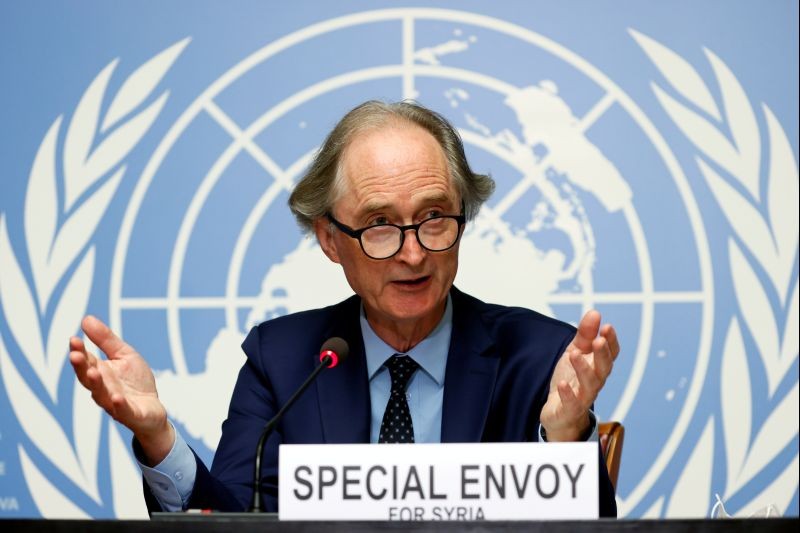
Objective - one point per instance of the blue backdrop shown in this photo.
(646, 161)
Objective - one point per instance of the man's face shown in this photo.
(395, 174)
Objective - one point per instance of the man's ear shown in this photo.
(324, 232)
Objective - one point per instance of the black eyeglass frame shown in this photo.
(356, 233)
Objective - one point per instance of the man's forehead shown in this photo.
(382, 187)
(394, 134)
(422, 197)
(393, 149)
(393, 164)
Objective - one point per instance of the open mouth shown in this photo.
(413, 282)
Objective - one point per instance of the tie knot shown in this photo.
(401, 367)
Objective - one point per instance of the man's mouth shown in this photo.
(414, 282)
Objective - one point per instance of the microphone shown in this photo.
(333, 351)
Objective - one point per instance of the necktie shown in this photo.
(396, 425)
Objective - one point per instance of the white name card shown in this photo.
(499, 481)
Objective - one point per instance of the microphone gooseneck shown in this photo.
(333, 351)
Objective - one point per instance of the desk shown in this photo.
(240, 523)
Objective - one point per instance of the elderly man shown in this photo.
(387, 196)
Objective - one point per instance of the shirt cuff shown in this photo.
(171, 481)
(587, 437)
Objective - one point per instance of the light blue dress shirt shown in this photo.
(425, 390)
(171, 481)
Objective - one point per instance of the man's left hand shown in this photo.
(578, 377)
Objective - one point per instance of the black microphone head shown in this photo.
(336, 348)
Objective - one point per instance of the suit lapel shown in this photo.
(343, 391)
(470, 374)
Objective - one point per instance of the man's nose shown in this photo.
(412, 251)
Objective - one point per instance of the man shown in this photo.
(387, 196)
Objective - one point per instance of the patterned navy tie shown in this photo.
(396, 425)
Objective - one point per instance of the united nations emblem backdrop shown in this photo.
(645, 155)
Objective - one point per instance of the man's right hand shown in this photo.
(124, 386)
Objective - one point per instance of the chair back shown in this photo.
(612, 436)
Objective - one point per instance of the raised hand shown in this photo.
(124, 386)
(578, 378)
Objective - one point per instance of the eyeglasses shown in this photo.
(385, 240)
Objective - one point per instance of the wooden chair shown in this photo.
(612, 436)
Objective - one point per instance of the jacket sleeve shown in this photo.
(227, 486)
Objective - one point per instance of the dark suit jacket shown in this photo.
(496, 382)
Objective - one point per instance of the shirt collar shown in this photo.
(430, 354)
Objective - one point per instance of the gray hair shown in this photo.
(318, 189)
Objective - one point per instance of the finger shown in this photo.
(80, 364)
(588, 382)
(77, 352)
(81, 359)
(105, 339)
(603, 360)
(610, 334)
(588, 328)
(76, 343)
(100, 385)
(569, 402)
(81, 368)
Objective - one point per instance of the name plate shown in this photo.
(498, 481)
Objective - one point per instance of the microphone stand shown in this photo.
(255, 505)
